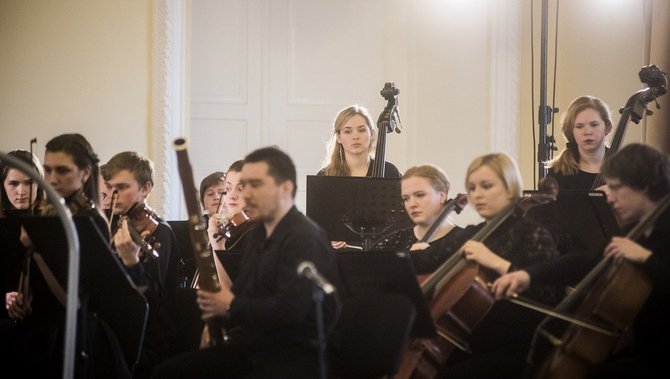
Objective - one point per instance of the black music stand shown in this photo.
(103, 280)
(584, 215)
(355, 209)
(187, 266)
(386, 272)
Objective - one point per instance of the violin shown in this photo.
(77, 204)
(142, 222)
(80, 203)
(228, 225)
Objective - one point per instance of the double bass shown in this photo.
(636, 108)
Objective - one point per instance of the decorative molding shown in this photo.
(505, 37)
(168, 102)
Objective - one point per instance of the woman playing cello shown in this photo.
(424, 191)
(500, 342)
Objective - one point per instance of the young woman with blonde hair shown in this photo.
(352, 145)
(585, 125)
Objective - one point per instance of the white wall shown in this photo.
(75, 66)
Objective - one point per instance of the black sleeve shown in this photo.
(291, 302)
(391, 171)
(657, 265)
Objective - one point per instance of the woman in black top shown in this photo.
(352, 144)
(500, 342)
(18, 194)
(585, 126)
(424, 192)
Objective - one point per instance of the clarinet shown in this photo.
(208, 280)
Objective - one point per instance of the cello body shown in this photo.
(614, 300)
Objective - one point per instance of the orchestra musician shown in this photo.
(638, 179)
(18, 191)
(585, 126)
(71, 167)
(351, 145)
(17, 195)
(230, 233)
(269, 309)
(212, 190)
(424, 191)
(132, 177)
(105, 194)
(500, 342)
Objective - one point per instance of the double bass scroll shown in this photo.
(388, 121)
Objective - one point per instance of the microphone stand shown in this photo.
(545, 145)
(317, 296)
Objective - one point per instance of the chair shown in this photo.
(372, 335)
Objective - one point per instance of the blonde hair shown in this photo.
(567, 162)
(504, 167)
(437, 178)
(335, 163)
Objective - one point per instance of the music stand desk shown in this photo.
(372, 206)
(111, 292)
(389, 272)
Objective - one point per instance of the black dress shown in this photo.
(500, 342)
(390, 170)
(428, 260)
(582, 180)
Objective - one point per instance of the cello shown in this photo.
(388, 121)
(459, 298)
(613, 293)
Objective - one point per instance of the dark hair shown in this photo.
(236, 166)
(280, 165)
(210, 180)
(82, 154)
(28, 158)
(141, 167)
(640, 167)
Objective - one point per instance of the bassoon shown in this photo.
(208, 280)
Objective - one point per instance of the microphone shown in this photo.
(306, 269)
